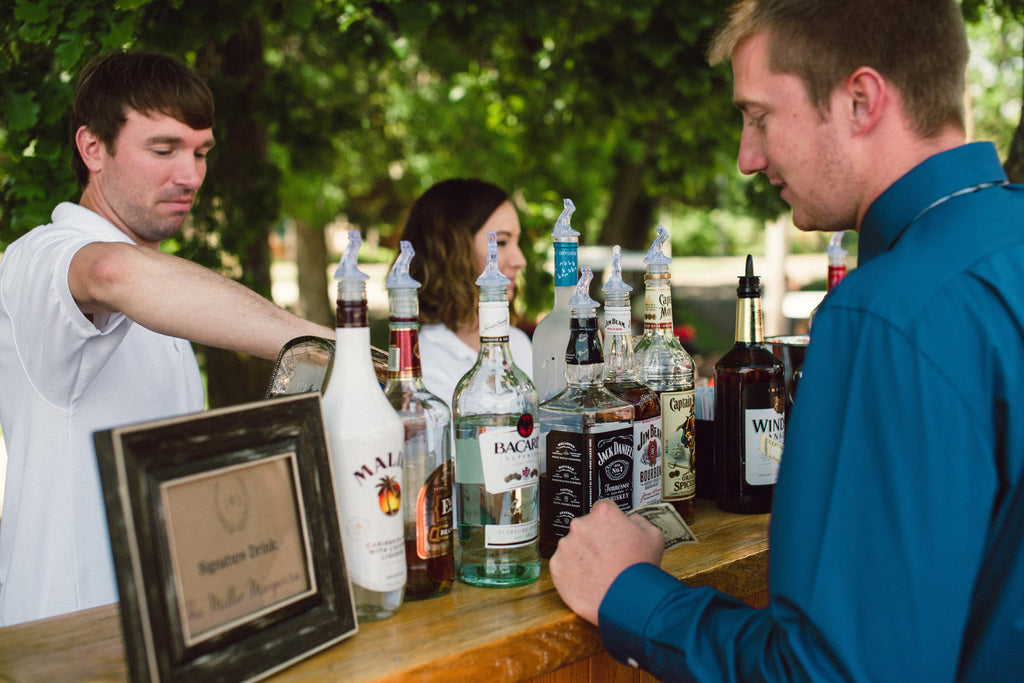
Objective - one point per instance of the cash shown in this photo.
(665, 517)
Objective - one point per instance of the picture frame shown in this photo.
(226, 542)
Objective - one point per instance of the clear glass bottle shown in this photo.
(552, 332)
(426, 464)
(496, 452)
(750, 423)
(620, 379)
(365, 440)
(586, 432)
(665, 366)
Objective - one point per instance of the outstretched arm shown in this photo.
(599, 547)
(176, 297)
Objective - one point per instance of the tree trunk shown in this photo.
(311, 258)
(628, 222)
(248, 190)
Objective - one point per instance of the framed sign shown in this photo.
(226, 541)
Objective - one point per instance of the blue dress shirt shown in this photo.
(897, 533)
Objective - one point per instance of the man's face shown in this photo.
(789, 141)
(147, 186)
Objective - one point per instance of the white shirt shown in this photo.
(445, 358)
(63, 378)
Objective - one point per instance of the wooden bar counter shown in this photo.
(471, 634)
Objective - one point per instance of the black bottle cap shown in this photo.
(750, 284)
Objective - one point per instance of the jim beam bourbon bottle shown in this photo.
(620, 379)
(665, 366)
(426, 464)
(750, 422)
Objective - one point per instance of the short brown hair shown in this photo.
(441, 227)
(112, 84)
(920, 46)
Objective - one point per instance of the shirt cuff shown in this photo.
(627, 608)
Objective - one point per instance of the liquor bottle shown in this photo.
(665, 366)
(836, 268)
(426, 463)
(750, 421)
(586, 432)
(552, 332)
(365, 441)
(496, 451)
(620, 379)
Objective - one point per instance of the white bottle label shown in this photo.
(369, 498)
(647, 462)
(678, 434)
(509, 460)
(617, 319)
(494, 320)
(765, 432)
(498, 536)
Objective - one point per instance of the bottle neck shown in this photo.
(835, 275)
(749, 325)
(566, 264)
(584, 361)
(657, 303)
(352, 313)
(618, 341)
(404, 350)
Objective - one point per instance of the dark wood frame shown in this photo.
(135, 460)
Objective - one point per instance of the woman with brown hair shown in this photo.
(448, 226)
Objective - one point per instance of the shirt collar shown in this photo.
(934, 178)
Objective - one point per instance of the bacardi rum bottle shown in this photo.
(552, 332)
(586, 432)
(426, 463)
(365, 440)
(750, 423)
(497, 465)
(665, 366)
(620, 379)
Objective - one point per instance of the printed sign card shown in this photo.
(226, 541)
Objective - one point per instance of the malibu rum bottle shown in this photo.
(365, 441)
(426, 463)
(620, 379)
(750, 423)
(552, 333)
(497, 465)
(665, 366)
(586, 432)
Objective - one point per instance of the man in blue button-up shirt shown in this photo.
(897, 535)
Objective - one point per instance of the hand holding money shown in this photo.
(598, 547)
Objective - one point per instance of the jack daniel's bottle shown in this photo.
(497, 464)
(427, 463)
(365, 441)
(665, 366)
(750, 421)
(586, 432)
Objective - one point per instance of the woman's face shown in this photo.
(504, 223)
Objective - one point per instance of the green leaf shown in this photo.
(21, 111)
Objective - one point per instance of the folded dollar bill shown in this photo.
(665, 517)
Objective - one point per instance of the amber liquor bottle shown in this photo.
(426, 464)
(750, 421)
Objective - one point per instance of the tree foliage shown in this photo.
(349, 109)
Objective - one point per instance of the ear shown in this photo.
(866, 98)
(91, 148)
